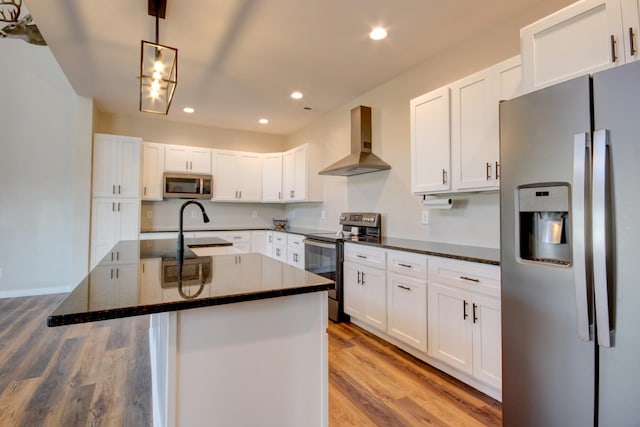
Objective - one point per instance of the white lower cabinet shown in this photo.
(365, 285)
(464, 318)
(110, 285)
(295, 250)
(407, 305)
(279, 246)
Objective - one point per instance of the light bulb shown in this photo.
(378, 33)
(156, 76)
(154, 93)
(158, 66)
(296, 95)
(155, 85)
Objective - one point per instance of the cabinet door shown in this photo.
(294, 172)
(152, 170)
(474, 138)
(128, 183)
(258, 242)
(105, 165)
(200, 160)
(374, 289)
(354, 304)
(150, 281)
(407, 299)
(582, 38)
(268, 244)
(176, 158)
(630, 29)
(487, 348)
(128, 219)
(450, 333)
(225, 177)
(104, 227)
(430, 142)
(250, 177)
(272, 177)
(295, 258)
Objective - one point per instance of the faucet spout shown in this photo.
(205, 218)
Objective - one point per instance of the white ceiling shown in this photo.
(238, 60)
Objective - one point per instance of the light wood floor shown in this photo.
(98, 374)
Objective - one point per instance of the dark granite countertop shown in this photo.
(445, 250)
(142, 279)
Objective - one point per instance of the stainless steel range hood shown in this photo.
(361, 160)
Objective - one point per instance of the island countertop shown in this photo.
(140, 277)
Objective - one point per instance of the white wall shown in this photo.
(476, 219)
(44, 174)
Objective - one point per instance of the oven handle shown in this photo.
(320, 244)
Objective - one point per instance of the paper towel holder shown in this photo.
(437, 202)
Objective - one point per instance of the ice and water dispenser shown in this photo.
(544, 224)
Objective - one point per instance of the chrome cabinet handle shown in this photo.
(614, 57)
(406, 288)
(240, 194)
(118, 206)
(497, 170)
(186, 165)
(464, 309)
(117, 273)
(405, 265)
(113, 206)
(113, 189)
(363, 277)
(599, 237)
(144, 191)
(358, 277)
(444, 176)
(475, 317)
(361, 256)
(279, 195)
(632, 42)
(191, 165)
(470, 279)
(488, 171)
(111, 272)
(581, 160)
(119, 188)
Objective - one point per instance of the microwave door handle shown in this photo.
(581, 148)
(201, 189)
(599, 238)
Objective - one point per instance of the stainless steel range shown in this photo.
(324, 253)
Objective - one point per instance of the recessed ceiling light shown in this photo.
(378, 33)
(296, 95)
(263, 121)
(188, 110)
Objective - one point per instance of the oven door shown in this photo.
(321, 258)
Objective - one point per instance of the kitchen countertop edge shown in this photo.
(116, 313)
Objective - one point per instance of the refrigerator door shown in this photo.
(617, 110)
(548, 371)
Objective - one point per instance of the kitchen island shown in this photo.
(240, 339)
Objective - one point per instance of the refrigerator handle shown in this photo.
(599, 238)
(580, 157)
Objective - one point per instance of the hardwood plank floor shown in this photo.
(98, 374)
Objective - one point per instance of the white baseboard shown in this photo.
(16, 293)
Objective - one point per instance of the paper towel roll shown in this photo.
(438, 203)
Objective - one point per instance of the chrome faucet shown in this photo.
(205, 218)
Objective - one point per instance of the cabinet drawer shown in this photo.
(468, 275)
(279, 239)
(366, 255)
(295, 240)
(407, 263)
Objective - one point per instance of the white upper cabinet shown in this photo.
(181, 158)
(152, 169)
(237, 176)
(431, 142)
(455, 131)
(116, 166)
(300, 179)
(584, 37)
(474, 124)
(630, 28)
(272, 177)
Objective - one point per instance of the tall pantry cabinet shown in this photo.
(115, 205)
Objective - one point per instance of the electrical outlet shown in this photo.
(425, 217)
(254, 214)
(323, 214)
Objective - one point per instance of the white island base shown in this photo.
(253, 363)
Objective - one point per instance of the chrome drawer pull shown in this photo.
(406, 288)
(471, 279)
(405, 265)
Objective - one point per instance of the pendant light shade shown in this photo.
(158, 69)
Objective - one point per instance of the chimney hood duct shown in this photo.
(361, 160)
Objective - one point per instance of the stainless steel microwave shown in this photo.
(187, 186)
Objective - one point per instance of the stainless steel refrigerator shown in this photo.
(570, 252)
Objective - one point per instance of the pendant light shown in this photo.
(158, 68)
